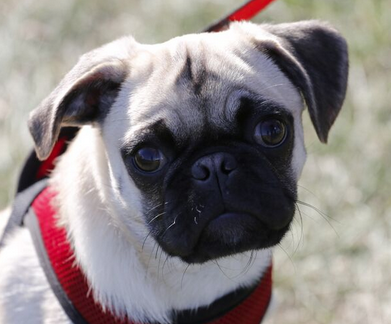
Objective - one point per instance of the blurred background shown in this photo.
(335, 265)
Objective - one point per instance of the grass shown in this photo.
(334, 266)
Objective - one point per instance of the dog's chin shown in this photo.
(231, 233)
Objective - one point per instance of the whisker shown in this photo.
(253, 257)
(292, 235)
(150, 232)
(218, 265)
(156, 217)
(173, 223)
(149, 259)
(146, 237)
(274, 86)
(324, 215)
(158, 265)
(183, 276)
(157, 206)
(289, 257)
(316, 209)
(164, 263)
(301, 228)
(308, 190)
(247, 266)
(157, 251)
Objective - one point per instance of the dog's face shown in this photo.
(213, 159)
(203, 133)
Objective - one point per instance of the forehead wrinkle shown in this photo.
(193, 88)
(179, 127)
(241, 63)
(182, 123)
(232, 103)
(193, 75)
(155, 130)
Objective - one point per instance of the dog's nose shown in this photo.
(220, 164)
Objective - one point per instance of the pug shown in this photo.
(183, 175)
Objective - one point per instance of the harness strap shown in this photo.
(35, 170)
(33, 225)
(21, 204)
(244, 306)
(33, 179)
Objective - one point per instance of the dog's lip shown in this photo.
(230, 226)
(238, 224)
(230, 217)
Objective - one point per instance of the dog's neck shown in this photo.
(128, 272)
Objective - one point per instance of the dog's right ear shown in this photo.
(314, 56)
(84, 96)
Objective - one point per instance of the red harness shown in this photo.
(74, 284)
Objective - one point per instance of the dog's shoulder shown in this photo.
(23, 283)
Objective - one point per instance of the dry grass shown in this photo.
(334, 267)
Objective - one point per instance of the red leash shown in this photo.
(245, 12)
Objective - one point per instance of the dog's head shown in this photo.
(207, 127)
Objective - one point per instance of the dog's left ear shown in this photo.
(84, 96)
(314, 56)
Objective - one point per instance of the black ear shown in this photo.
(314, 56)
(84, 96)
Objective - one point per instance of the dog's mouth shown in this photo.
(228, 200)
(225, 228)
(231, 233)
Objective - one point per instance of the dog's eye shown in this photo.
(149, 159)
(270, 132)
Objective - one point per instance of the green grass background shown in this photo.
(335, 266)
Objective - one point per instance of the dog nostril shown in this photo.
(229, 165)
(200, 172)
